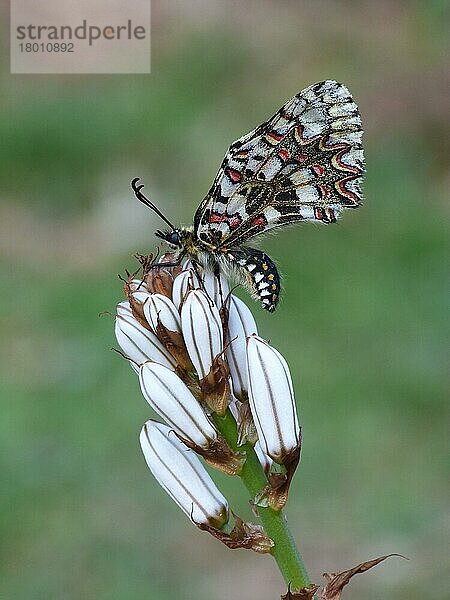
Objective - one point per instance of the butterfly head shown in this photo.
(172, 237)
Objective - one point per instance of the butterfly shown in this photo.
(305, 163)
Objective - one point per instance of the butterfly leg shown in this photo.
(198, 270)
(196, 266)
(167, 264)
(162, 265)
(219, 282)
(259, 273)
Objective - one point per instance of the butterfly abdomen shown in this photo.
(259, 274)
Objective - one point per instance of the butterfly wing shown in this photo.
(304, 164)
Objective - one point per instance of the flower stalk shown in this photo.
(284, 551)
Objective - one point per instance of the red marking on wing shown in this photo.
(235, 221)
(318, 213)
(235, 176)
(232, 221)
(324, 191)
(345, 166)
(330, 214)
(275, 136)
(284, 155)
(299, 134)
(324, 146)
(318, 170)
(259, 221)
(341, 187)
(216, 218)
(301, 158)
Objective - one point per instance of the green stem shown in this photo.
(285, 550)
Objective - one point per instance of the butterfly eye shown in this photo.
(171, 237)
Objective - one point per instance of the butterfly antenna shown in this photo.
(140, 196)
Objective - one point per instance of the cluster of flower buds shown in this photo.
(195, 348)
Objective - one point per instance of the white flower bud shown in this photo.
(202, 331)
(139, 290)
(234, 408)
(218, 292)
(160, 310)
(138, 285)
(124, 309)
(137, 342)
(183, 283)
(241, 324)
(187, 264)
(141, 296)
(181, 474)
(172, 400)
(266, 461)
(272, 400)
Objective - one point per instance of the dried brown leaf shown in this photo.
(243, 535)
(215, 388)
(158, 279)
(275, 494)
(146, 261)
(337, 581)
(174, 342)
(224, 317)
(246, 426)
(220, 456)
(137, 308)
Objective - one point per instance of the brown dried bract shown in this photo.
(276, 493)
(220, 456)
(137, 308)
(146, 261)
(306, 593)
(337, 581)
(215, 387)
(246, 426)
(191, 380)
(174, 342)
(243, 535)
(224, 316)
(158, 279)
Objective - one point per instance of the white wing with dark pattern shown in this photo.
(305, 164)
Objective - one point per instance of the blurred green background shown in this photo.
(362, 323)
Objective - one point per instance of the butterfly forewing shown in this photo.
(304, 164)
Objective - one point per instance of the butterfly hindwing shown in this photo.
(304, 164)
